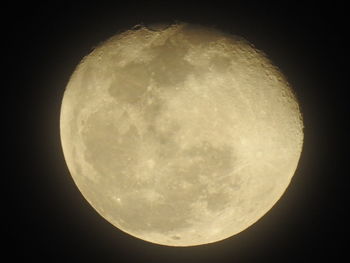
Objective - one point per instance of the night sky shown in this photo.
(48, 220)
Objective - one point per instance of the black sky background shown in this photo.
(49, 221)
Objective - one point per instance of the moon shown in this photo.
(180, 135)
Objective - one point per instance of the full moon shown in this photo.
(180, 135)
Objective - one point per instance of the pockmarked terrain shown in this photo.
(180, 136)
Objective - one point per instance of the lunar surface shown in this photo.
(180, 135)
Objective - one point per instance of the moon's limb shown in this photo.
(181, 136)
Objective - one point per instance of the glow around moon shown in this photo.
(180, 136)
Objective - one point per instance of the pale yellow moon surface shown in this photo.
(180, 136)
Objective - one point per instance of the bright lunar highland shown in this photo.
(180, 136)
